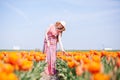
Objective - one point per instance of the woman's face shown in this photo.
(59, 27)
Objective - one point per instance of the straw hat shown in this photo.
(63, 23)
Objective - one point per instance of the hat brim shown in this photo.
(63, 29)
(62, 23)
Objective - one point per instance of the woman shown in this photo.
(52, 37)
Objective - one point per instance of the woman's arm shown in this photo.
(61, 45)
(46, 36)
(60, 42)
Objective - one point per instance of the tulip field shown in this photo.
(76, 65)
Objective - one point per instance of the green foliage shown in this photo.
(108, 65)
(118, 74)
(66, 73)
(34, 73)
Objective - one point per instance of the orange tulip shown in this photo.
(30, 57)
(3, 76)
(94, 67)
(101, 76)
(42, 57)
(118, 62)
(86, 60)
(63, 57)
(96, 58)
(118, 54)
(71, 64)
(37, 58)
(78, 58)
(14, 58)
(1, 56)
(68, 58)
(5, 53)
(6, 60)
(12, 76)
(8, 68)
(6, 72)
(24, 54)
(25, 65)
(103, 53)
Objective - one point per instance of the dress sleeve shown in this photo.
(46, 33)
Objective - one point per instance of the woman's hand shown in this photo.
(48, 43)
(65, 53)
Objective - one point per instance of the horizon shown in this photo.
(90, 25)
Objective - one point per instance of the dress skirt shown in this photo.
(50, 52)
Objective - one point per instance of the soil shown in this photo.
(48, 77)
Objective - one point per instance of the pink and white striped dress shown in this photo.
(51, 50)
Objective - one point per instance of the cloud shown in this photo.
(18, 11)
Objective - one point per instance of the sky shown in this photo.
(90, 24)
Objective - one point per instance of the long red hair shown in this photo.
(59, 26)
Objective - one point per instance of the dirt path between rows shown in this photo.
(48, 77)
